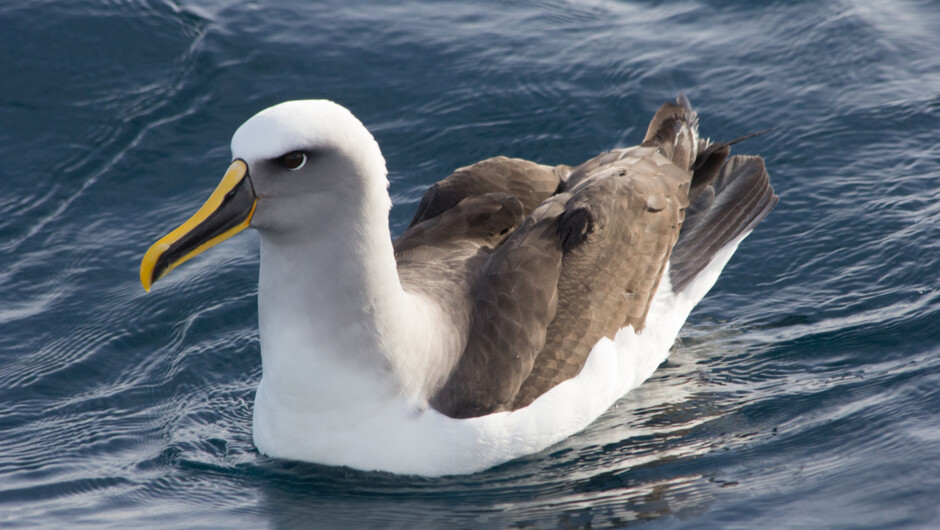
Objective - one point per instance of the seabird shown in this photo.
(520, 303)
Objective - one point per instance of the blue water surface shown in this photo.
(805, 391)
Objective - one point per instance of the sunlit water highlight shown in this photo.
(804, 391)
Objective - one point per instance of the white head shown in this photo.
(309, 159)
(301, 169)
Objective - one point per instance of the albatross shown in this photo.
(521, 302)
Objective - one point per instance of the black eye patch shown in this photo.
(293, 160)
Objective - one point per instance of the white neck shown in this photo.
(336, 325)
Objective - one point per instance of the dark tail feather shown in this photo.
(674, 130)
(734, 200)
(709, 161)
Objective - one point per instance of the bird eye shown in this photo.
(294, 160)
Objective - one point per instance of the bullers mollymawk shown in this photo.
(521, 302)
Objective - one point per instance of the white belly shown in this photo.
(387, 433)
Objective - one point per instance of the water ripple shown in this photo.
(804, 389)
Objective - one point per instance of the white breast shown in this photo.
(378, 429)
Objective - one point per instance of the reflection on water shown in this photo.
(803, 392)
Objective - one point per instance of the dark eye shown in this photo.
(294, 160)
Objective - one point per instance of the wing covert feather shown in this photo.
(528, 182)
(608, 281)
(513, 300)
(585, 264)
(572, 255)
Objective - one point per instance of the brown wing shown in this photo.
(513, 300)
(470, 213)
(460, 222)
(536, 296)
(465, 217)
(732, 203)
(442, 256)
(630, 214)
(528, 182)
(581, 267)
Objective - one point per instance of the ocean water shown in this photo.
(805, 390)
